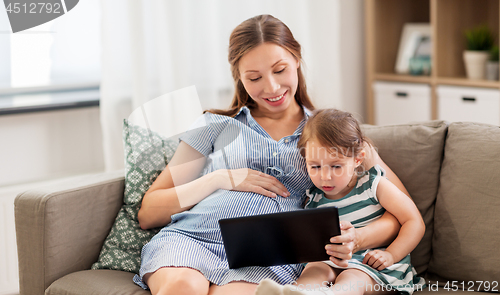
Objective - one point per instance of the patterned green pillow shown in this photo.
(146, 155)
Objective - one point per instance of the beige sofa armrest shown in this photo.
(61, 229)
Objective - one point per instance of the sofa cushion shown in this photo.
(94, 282)
(467, 231)
(146, 155)
(414, 152)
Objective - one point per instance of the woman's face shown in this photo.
(269, 74)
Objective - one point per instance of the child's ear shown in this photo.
(360, 157)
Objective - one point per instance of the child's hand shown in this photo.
(379, 259)
(341, 249)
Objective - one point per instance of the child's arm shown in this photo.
(412, 226)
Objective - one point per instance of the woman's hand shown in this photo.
(249, 180)
(344, 245)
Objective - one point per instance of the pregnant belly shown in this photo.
(227, 204)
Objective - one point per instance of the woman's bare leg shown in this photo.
(177, 280)
(240, 288)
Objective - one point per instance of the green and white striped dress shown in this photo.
(361, 207)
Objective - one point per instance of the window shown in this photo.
(63, 53)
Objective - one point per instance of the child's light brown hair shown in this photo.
(337, 130)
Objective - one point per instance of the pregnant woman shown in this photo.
(239, 162)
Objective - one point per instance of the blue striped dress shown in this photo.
(361, 207)
(193, 239)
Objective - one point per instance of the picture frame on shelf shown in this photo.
(415, 49)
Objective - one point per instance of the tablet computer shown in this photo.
(279, 238)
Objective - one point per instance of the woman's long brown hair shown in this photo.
(248, 35)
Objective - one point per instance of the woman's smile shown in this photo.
(277, 100)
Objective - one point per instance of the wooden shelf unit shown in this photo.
(448, 19)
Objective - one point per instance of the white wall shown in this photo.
(340, 42)
(352, 63)
(52, 144)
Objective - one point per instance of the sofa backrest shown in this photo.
(414, 152)
(467, 212)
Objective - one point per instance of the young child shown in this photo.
(332, 144)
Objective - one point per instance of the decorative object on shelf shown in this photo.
(420, 65)
(415, 47)
(479, 43)
(492, 67)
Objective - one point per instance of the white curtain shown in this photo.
(153, 47)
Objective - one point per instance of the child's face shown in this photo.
(330, 170)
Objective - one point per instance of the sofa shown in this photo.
(451, 170)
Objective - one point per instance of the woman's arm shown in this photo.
(377, 234)
(178, 187)
(162, 200)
